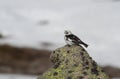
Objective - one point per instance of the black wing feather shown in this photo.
(73, 37)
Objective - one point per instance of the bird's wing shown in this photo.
(74, 37)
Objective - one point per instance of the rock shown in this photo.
(73, 62)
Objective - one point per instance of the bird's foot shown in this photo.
(67, 45)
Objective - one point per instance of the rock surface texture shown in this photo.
(73, 62)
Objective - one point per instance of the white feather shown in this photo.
(68, 41)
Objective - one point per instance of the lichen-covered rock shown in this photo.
(73, 62)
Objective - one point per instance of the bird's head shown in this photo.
(67, 32)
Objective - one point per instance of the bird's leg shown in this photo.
(68, 45)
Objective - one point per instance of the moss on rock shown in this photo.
(73, 62)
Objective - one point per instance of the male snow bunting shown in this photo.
(71, 39)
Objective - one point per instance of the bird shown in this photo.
(71, 39)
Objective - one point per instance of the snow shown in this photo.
(16, 76)
(95, 21)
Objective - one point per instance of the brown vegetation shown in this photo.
(112, 71)
(23, 60)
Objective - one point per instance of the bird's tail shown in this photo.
(85, 44)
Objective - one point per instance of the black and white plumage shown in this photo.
(71, 39)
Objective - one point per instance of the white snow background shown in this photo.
(16, 76)
(96, 22)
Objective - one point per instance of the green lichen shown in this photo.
(73, 62)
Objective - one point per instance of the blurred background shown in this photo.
(31, 29)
